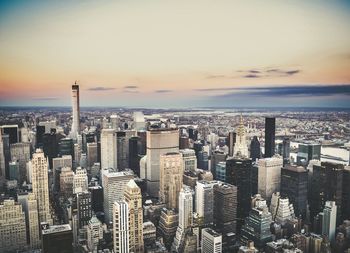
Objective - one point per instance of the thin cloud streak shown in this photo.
(100, 88)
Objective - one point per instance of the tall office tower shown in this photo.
(135, 154)
(281, 209)
(96, 198)
(122, 151)
(269, 176)
(121, 233)
(50, 146)
(24, 136)
(270, 131)
(241, 147)
(239, 173)
(220, 171)
(346, 194)
(40, 184)
(326, 184)
(139, 121)
(7, 152)
(255, 152)
(13, 227)
(168, 223)
(189, 159)
(77, 154)
(217, 156)
(286, 150)
(203, 160)
(2, 162)
(294, 186)
(329, 220)
(185, 216)
(257, 227)
(40, 131)
(171, 175)
(225, 207)
(60, 162)
(20, 152)
(66, 147)
(114, 184)
(84, 209)
(108, 149)
(231, 140)
(30, 208)
(75, 111)
(88, 137)
(211, 241)
(14, 171)
(66, 182)
(80, 180)
(91, 151)
(159, 142)
(184, 142)
(307, 152)
(94, 233)
(114, 120)
(133, 198)
(205, 200)
(12, 131)
(57, 239)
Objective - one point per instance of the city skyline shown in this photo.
(175, 53)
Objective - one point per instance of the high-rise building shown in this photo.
(50, 145)
(185, 216)
(189, 159)
(57, 239)
(220, 171)
(257, 227)
(80, 180)
(96, 198)
(66, 147)
(239, 174)
(255, 152)
(308, 151)
(75, 111)
(91, 152)
(159, 142)
(217, 157)
(108, 149)
(270, 131)
(84, 210)
(2, 162)
(14, 171)
(286, 150)
(326, 185)
(58, 163)
(12, 227)
(294, 186)
(269, 176)
(11, 131)
(114, 122)
(205, 200)
(225, 207)
(346, 194)
(203, 160)
(171, 175)
(122, 150)
(281, 209)
(20, 152)
(241, 147)
(66, 182)
(168, 223)
(135, 154)
(133, 198)
(139, 121)
(121, 232)
(211, 241)
(329, 220)
(114, 184)
(40, 184)
(231, 140)
(94, 233)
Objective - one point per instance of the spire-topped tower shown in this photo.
(241, 147)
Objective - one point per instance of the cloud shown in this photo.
(216, 76)
(131, 87)
(252, 76)
(130, 91)
(45, 98)
(215, 89)
(163, 91)
(289, 91)
(100, 88)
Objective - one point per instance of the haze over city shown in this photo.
(176, 53)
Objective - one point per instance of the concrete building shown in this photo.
(80, 180)
(171, 176)
(94, 233)
(57, 239)
(91, 153)
(211, 241)
(189, 159)
(20, 152)
(205, 200)
(159, 142)
(121, 232)
(66, 182)
(75, 111)
(133, 198)
(108, 149)
(329, 220)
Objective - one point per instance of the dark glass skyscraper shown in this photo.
(134, 154)
(270, 128)
(255, 152)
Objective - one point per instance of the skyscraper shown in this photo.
(2, 162)
(294, 186)
(40, 184)
(270, 129)
(211, 241)
(269, 176)
(122, 150)
(159, 142)
(171, 175)
(241, 147)
(75, 111)
(121, 233)
(133, 198)
(94, 233)
(329, 220)
(255, 152)
(231, 143)
(205, 200)
(91, 153)
(20, 152)
(13, 227)
(308, 151)
(108, 149)
(57, 239)
(114, 184)
(80, 180)
(189, 159)
(84, 209)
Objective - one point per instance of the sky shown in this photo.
(176, 53)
